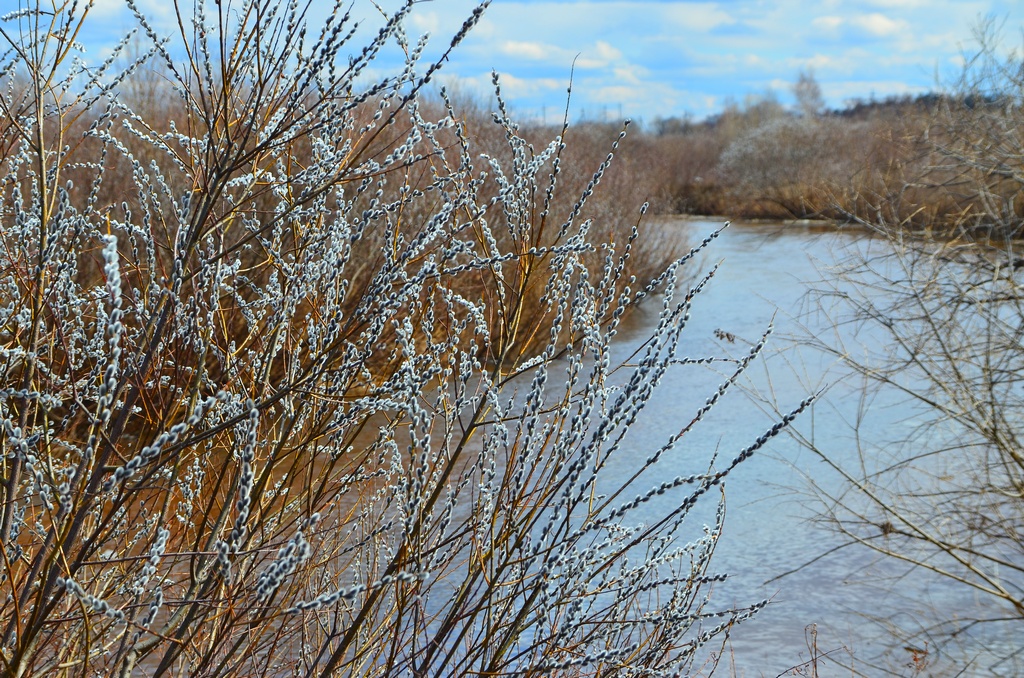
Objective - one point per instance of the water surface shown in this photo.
(846, 602)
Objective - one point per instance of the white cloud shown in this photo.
(514, 87)
(606, 51)
(526, 50)
(644, 100)
(614, 94)
(828, 23)
(880, 25)
(426, 22)
(599, 55)
(699, 66)
(898, 4)
(514, 90)
(106, 8)
(826, 63)
(875, 24)
(672, 56)
(697, 16)
(630, 75)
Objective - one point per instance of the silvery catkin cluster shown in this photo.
(298, 382)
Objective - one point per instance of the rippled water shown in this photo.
(845, 597)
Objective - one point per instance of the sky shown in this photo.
(655, 59)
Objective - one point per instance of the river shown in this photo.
(850, 604)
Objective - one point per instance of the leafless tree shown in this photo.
(937, 317)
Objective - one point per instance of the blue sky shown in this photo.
(655, 58)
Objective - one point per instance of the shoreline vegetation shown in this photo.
(900, 160)
(938, 165)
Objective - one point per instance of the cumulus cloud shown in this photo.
(526, 50)
(692, 53)
(606, 51)
(515, 88)
(426, 22)
(697, 16)
(598, 55)
(875, 24)
(645, 100)
(879, 25)
(630, 75)
(825, 63)
(828, 23)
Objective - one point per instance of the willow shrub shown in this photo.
(310, 398)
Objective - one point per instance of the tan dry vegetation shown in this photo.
(261, 332)
(901, 160)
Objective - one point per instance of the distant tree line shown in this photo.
(872, 158)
